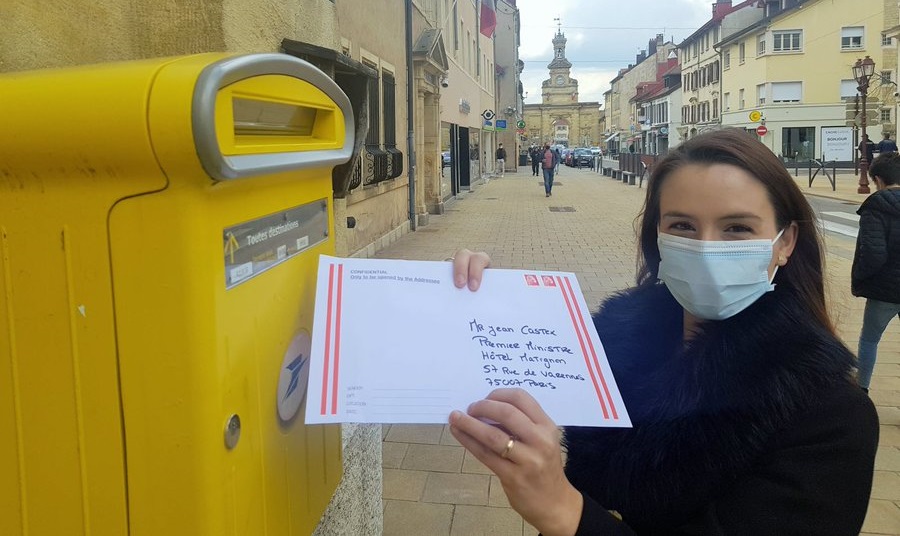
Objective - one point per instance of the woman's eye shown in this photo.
(681, 226)
(736, 228)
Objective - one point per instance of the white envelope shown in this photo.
(396, 342)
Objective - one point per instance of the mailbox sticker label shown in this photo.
(294, 376)
(255, 246)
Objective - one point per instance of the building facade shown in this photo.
(377, 199)
(467, 93)
(701, 65)
(561, 119)
(657, 104)
(625, 131)
(508, 67)
(791, 72)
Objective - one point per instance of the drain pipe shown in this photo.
(410, 119)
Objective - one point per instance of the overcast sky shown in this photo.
(603, 37)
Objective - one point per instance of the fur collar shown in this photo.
(702, 413)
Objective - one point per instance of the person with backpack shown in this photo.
(549, 161)
(501, 159)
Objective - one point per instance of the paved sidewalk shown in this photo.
(432, 486)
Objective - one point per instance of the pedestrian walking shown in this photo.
(876, 263)
(549, 161)
(887, 145)
(535, 155)
(501, 159)
(558, 157)
(867, 148)
(745, 417)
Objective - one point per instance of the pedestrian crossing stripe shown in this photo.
(843, 215)
(840, 228)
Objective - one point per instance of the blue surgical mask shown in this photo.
(715, 280)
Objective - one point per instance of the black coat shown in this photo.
(753, 428)
(876, 265)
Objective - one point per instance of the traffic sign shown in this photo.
(755, 116)
(761, 130)
(487, 115)
(520, 124)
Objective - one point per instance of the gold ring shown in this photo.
(509, 446)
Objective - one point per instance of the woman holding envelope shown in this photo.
(746, 417)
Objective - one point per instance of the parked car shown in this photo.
(596, 151)
(582, 157)
(445, 157)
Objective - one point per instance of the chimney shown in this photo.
(642, 55)
(721, 8)
(659, 39)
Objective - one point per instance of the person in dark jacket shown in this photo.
(746, 418)
(535, 154)
(876, 264)
(867, 147)
(500, 156)
(887, 145)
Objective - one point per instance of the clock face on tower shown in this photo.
(560, 80)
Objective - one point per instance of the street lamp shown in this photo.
(862, 72)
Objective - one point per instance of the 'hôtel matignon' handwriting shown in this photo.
(510, 359)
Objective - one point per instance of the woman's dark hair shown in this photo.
(736, 147)
(886, 167)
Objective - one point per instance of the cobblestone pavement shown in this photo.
(432, 486)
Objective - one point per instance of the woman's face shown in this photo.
(721, 202)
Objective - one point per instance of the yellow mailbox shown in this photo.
(160, 224)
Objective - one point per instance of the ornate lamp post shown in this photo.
(862, 72)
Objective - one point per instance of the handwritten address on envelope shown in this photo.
(397, 342)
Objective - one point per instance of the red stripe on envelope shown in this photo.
(327, 340)
(337, 340)
(584, 329)
(587, 361)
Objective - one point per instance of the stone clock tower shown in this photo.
(560, 88)
(560, 118)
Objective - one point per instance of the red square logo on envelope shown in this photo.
(548, 280)
(531, 280)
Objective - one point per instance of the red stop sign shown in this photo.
(761, 130)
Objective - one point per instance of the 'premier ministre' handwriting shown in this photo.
(484, 341)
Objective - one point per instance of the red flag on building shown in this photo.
(488, 17)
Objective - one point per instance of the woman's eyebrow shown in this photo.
(741, 216)
(735, 216)
(675, 214)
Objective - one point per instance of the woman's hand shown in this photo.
(468, 267)
(523, 451)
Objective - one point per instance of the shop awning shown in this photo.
(614, 136)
